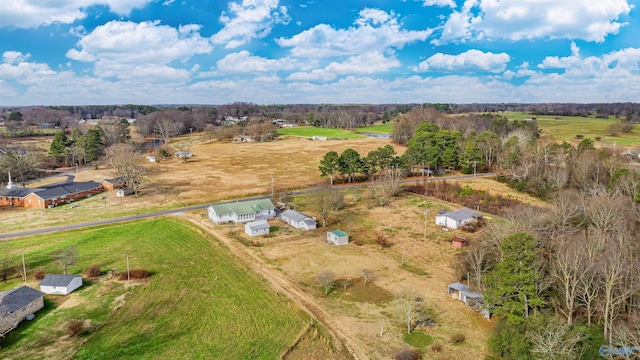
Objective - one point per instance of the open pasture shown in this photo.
(309, 131)
(199, 303)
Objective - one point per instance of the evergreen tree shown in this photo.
(58, 146)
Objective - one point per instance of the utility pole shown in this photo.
(42, 215)
(24, 268)
(272, 188)
(474, 168)
(128, 272)
(426, 211)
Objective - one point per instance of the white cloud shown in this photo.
(523, 71)
(33, 13)
(11, 57)
(251, 19)
(468, 61)
(528, 19)
(373, 30)
(244, 62)
(440, 3)
(321, 75)
(118, 48)
(370, 63)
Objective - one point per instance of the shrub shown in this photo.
(39, 274)
(437, 347)
(458, 338)
(407, 353)
(75, 328)
(135, 274)
(93, 271)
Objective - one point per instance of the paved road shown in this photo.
(198, 207)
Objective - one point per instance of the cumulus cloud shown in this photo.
(33, 13)
(528, 19)
(11, 57)
(119, 47)
(370, 63)
(373, 30)
(251, 19)
(244, 62)
(468, 61)
(440, 3)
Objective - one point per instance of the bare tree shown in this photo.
(126, 163)
(479, 260)
(406, 306)
(66, 257)
(569, 267)
(387, 185)
(167, 128)
(367, 275)
(327, 280)
(556, 340)
(6, 267)
(326, 200)
(345, 283)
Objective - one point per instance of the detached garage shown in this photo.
(257, 228)
(59, 284)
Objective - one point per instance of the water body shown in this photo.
(148, 144)
(377, 135)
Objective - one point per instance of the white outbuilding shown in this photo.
(337, 237)
(257, 228)
(60, 284)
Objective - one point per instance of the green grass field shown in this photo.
(309, 131)
(565, 128)
(377, 129)
(199, 304)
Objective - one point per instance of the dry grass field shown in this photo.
(218, 171)
(360, 309)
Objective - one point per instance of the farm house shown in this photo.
(457, 218)
(18, 304)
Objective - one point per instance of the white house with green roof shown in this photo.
(240, 212)
(337, 237)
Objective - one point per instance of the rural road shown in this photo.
(198, 207)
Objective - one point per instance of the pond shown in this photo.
(377, 135)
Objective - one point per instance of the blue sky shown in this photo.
(66, 52)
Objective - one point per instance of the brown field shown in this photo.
(361, 310)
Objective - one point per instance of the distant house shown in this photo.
(257, 228)
(463, 293)
(151, 158)
(319, 138)
(298, 220)
(459, 242)
(17, 305)
(243, 139)
(49, 196)
(288, 124)
(242, 211)
(60, 284)
(338, 237)
(183, 154)
(457, 218)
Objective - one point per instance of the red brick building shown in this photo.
(49, 196)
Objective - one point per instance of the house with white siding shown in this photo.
(240, 212)
(457, 218)
(60, 284)
(337, 237)
(298, 220)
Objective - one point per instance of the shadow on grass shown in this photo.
(23, 327)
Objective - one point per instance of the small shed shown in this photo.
(182, 154)
(337, 237)
(298, 220)
(125, 191)
(60, 284)
(257, 228)
(18, 304)
(459, 242)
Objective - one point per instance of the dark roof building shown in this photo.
(13, 300)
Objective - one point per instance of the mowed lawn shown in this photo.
(200, 303)
(309, 131)
(565, 128)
